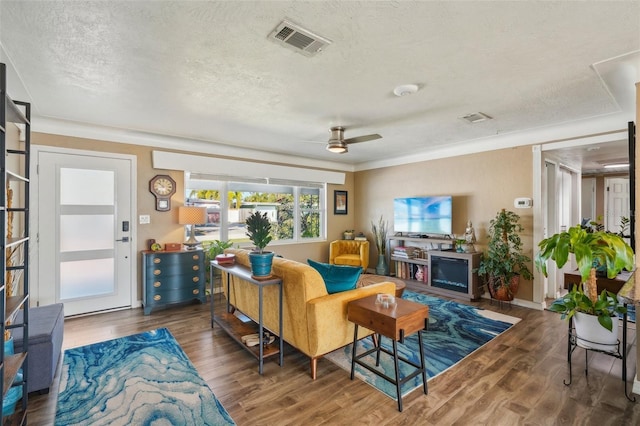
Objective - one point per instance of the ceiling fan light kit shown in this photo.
(338, 144)
(338, 147)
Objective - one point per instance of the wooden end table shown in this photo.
(396, 323)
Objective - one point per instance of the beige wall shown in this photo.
(164, 226)
(481, 185)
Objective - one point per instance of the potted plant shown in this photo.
(211, 250)
(349, 234)
(590, 249)
(259, 232)
(504, 263)
(380, 238)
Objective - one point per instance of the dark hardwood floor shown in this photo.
(516, 379)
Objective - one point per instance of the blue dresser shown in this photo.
(172, 277)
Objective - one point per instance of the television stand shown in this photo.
(419, 268)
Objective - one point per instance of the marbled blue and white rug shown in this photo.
(455, 331)
(144, 379)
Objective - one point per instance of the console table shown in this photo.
(236, 328)
(603, 283)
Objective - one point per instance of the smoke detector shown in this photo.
(301, 40)
(405, 89)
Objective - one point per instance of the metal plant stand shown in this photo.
(614, 352)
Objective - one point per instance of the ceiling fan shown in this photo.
(338, 144)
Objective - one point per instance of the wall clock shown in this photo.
(162, 187)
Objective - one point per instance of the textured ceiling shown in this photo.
(207, 71)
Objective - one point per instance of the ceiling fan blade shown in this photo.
(364, 138)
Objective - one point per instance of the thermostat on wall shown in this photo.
(522, 203)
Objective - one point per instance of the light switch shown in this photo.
(145, 219)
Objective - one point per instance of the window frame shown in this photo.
(225, 185)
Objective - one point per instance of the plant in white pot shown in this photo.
(590, 249)
(259, 232)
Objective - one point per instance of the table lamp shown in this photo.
(192, 215)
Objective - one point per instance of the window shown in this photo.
(296, 209)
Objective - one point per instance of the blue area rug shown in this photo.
(144, 379)
(455, 331)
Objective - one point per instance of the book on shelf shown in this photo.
(406, 252)
(360, 239)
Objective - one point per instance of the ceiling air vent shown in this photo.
(476, 117)
(297, 38)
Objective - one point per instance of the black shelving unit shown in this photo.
(14, 214)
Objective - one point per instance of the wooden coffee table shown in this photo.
(395, 323)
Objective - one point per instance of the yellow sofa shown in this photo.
(314, 322)
(349, 252)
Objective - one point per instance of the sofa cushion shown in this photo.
(337, 278)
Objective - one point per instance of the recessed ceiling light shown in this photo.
(405, 89)
(615, 166)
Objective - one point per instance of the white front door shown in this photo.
(84, 212)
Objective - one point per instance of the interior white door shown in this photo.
(617, 203)
(84, 236)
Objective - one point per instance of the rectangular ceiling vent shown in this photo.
(297, 38)
(476, 117)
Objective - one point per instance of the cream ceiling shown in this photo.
(206, 71)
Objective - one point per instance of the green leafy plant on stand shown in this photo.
(605, 306)
(590, 249)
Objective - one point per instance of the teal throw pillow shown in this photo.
(337, 278)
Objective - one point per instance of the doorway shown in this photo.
(83, 203)
(617, 203)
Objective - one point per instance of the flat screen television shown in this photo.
(422, 215)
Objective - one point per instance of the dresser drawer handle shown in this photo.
(196, 279)
(157, 260)
(196, 291)
(196, 256)
(157, 297)
(196, 267)
(157, 272)
(157, 284)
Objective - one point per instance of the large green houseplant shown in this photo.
(259, 232)
(504, 263)
(590, 249)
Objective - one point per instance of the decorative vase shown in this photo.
(499, 291)
(591, 335)
(382, 268)
(261, 264)
(14, 394)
